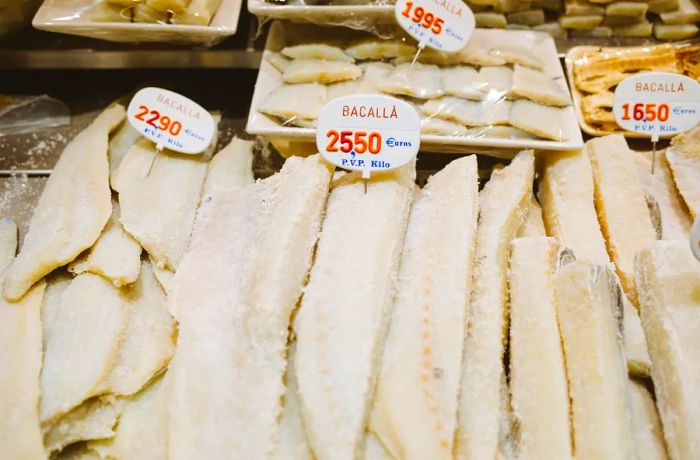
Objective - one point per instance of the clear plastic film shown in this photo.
(15, 14)
(492, 89)
(596, 72)
(26, 114)
(198, 22)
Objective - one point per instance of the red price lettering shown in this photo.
(163, 123)
(425, 19)
(649, 111)
(359, 141)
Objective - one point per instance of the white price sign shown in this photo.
(657, 104)
(444, 25)
(171, 120)
(368, 132)
(695, 239)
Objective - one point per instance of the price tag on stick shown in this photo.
(444, 25)
(171, 120)
(368, 132)
(657, 104)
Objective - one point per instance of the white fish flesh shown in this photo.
(381, 49)
(517, 55)
(469, 113)
(375, 74)
(421, 81)
(541, 120)
(496, 79)
(316, 51)
(295, 101)
(279, 62)
(320, 71)
(539, 87)
(462, 81)
(434, 125)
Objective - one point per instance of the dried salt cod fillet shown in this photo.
(663, 6)
(72, 209)
(503, 206)
(422, 356)
(619, 21)
(583, 8)
(502, 132)
(462, 81)
(431, 125)
(675, 32)
(534, 224)
(528, 17)
(83, 329)
(687, 13)
(648, 433)
(541, 120)
(375, 73)
(626, 9)
(158, 209)
(684, 160)
(149, 337)
(164, 277)
(345, 88)
(586, 301)
(93, 419)
(596, 32)
(597, 108)
(496, 79)
(517, 55)
(232, 166)
(295, 101)
(146, 14)
(668, 276)
(350, 328)
(539, 87)
(636, 352)
(168, 5)
(643, 29)
(198, 12)
(374, 450)
(581, 22)
(470, 113)
(292, 443)
(115, 255)
(8, 242)
(119, 144)
(552, 28)
(538, 385)
(142, 430)
(622, 210)
(675, 217)
(235, 291)
(509, 6)
(476, 52)
(105, 12)
(422, 81)
(320, 71)
(316, 51)
(380, 49)
(491, 20)
(20, 365)
(279, 62)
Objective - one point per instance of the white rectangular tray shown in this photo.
(361, 17)
(62, 16)
(540, 44)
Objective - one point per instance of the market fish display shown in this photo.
(72, 210)
(422, 356)
(337, 322)
(503, 207)
(248, 319)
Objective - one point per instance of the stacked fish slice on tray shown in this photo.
(192, 12)
(196, 313)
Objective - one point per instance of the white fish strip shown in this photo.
(320, 71)
(503, 132)
(72, 210)
(349, 328)
(462, 81)
(534, 225)
(496, 79)
(235, 292)
(668, 277)
(158, 210)
(684, 159)
(516, 55)
(316, 51)
(295, 101)
(586, 297)
(421, 81)
(381, 49)
(115, 255)
(232, 166)
(503, 208)
(432, 125)
(279, 62)
(648, 432)
(470, 113)
(540, 393)
(541, 120)
(345, 88)
(375, 74)
(119, 144)
(422, 357)
(539, 87)
(83, 329)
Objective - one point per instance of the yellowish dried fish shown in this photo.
(552, 28)
(581, 22)
(168, 5)
(626, 9)
(541, 120)
(527, 17)
(198, 12)
(83, 329)
(668, 275)
(596, 32)
(684, 160)
(144, 13)
(350, 328)
(643, 29)
(539, 87)
(422, 356)
(491, 20)
(320, 71)
(583, 8)
(316, 51)
(295, 101)
(503, 204)
(688, 13)
(675, 32)
(420, 81)
(72, 210)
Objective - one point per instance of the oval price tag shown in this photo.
(657, 104)
(368, 132)
(695, 238)
(171, 120)
(444, 25)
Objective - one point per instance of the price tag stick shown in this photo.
(654, 140)
(159, 148)
(421, 46)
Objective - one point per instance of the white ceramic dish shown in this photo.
(540, 44)
(63, 16)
